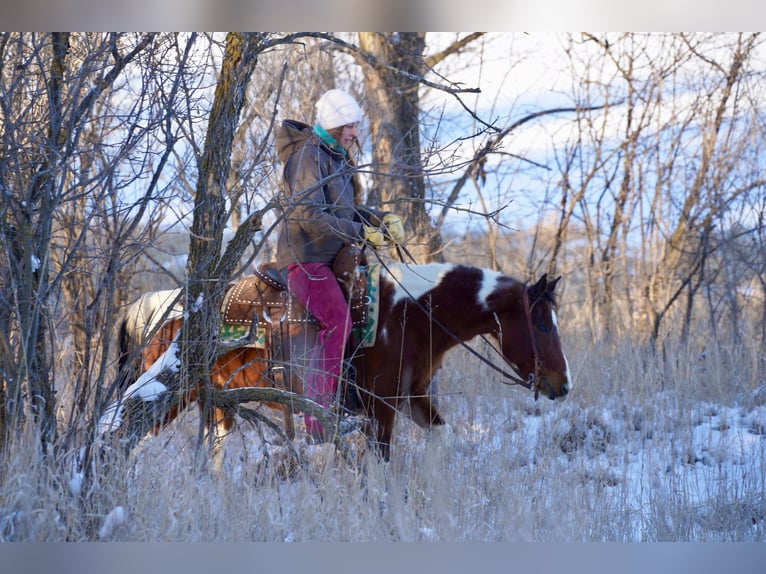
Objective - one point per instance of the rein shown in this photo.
(533, 377)
(402, 248)
(535, 351)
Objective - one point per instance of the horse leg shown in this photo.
(425, 414)
(216, 430)
(282, 373)
(282, 378)
(380, 424)
(287, 413)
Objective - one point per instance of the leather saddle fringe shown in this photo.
(264, 297)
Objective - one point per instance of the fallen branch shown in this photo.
(229, 400)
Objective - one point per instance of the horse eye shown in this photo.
(542, 327)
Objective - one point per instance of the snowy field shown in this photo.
(625, 459)
(638, 453)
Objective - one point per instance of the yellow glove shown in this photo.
(393, 225)
(374, 236)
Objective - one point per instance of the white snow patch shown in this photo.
(75, 483)
(111, 420)
(112, 521)
(428, 533)
(197, 305)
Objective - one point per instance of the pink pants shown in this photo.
(315, 286)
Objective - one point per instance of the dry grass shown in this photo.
(620, 460)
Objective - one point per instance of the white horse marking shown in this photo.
(147, 387)
(489, 280)
(568, 374)
(411, 283)
(569, 383)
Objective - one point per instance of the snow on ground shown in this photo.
(707, 467)
(697, 471)
(616, 468)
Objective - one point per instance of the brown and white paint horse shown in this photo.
(425, 310)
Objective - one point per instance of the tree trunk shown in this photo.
(393, 105)
(205, 286)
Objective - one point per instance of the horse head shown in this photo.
(528, 332)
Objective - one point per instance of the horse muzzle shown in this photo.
(547, 388)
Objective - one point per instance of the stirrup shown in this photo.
(350, 424)
(352, 400)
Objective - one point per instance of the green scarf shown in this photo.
(332, 143)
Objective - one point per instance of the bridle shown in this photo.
(533, 377)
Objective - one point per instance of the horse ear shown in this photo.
(552, 284)
(538, 289)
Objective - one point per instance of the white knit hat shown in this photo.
(336, 108)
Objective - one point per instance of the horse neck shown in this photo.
(457, 297)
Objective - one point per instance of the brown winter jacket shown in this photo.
(320, 198)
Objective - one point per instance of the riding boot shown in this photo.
(352, 401)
